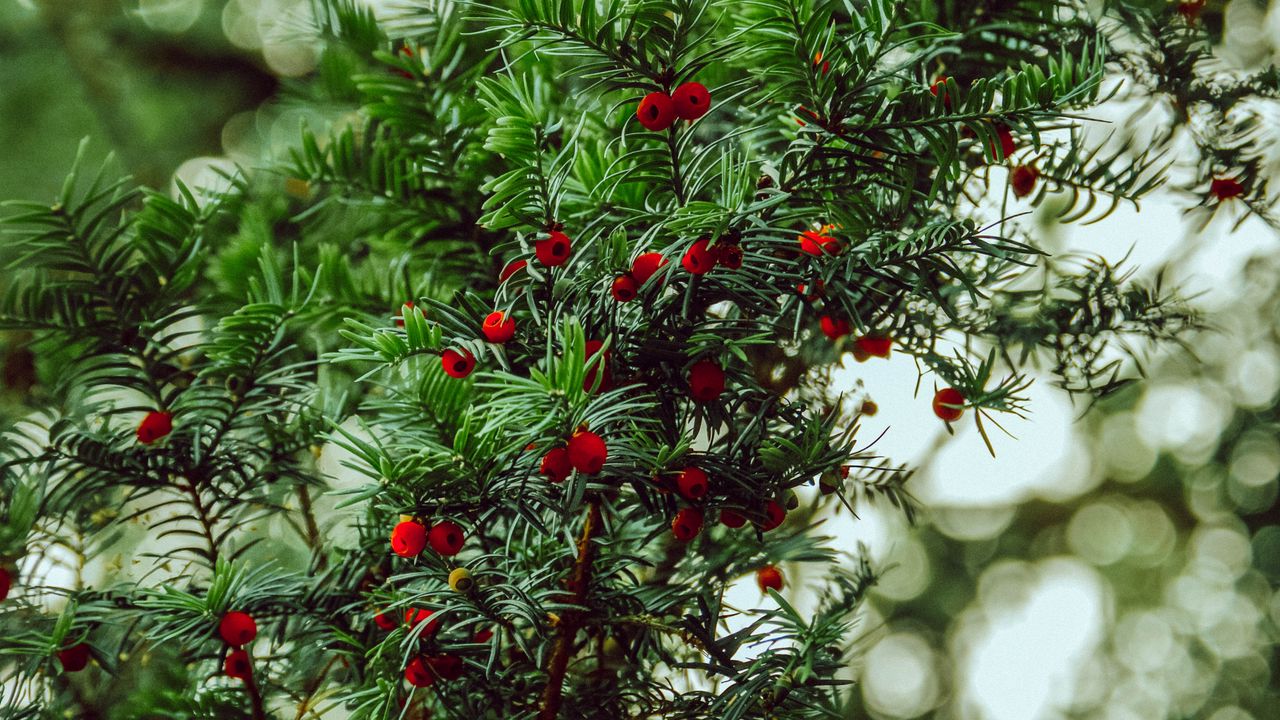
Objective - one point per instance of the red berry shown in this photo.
(874, 345)
(74, 658)
(687, 524)
(237, 628)
(587, 452)
(692, 483)
(400, 313)
(498, 328)
(818, 242)
(691, 100)
(834, 327)
(482, 636)
(418, 673)
(819, 287)
(511, 268)
(769, 577)
(154, 426)
(556, 465)
(446, 667)
(656, 111)
(1190, 9)
(446, 537)
(5, 582)
(413, 617)
(645, 265)
(458, 363)
(706, 381)
(553, 250)
(948, 404)
(732, 518)
(1005, 135)
(1023, 180)
(729, 256)
(698, 259)
(624, 288)
(1226, 188)
(408, 538)
(237, 665)
(384, 621)
(774, 514)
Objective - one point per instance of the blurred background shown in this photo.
(1120, 564)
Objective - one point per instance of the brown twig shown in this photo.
(255, 697)
(571, 621)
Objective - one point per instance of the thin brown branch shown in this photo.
(571, 621)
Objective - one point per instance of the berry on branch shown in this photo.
(948, 404)
(1226, 188)
(460, 580)
(732, 518)
(5, 582)
(458, 363)
(511, 268)
(624, 288)
(774, 514)
(237, 665)
(834, 327)
(418, 673)
(1023, 180)
(587, 452)
(553, 250)
(769, 577)
(699, 259)
(74, 658)
(706, 381)
(408, 538)
(656, 111)
(556, 465)
(155, 425)
(413, 617)
(237, 628)
(498, 328)
(687, 524)
(446, 667)
(446, 538)
(645, 265)
(692, 483)
(691, 100)
(873, 345)
(384, 621)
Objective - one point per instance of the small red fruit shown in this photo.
(511, 268)
(624, 288)
(482, 636)
(691, 100)
(692, 483)
(408, 538)
(774, 514)
(834, 327)
(645, 265)
(1190, 9)
(1005, 135)
(1226, 188)
(699, 259)
(769, 577)
(6, 581)
(74, 658)
(446, 537)
(706, 381)
(237, 665)
(556, 465)
(732, 518)
(874, 345)
(155, 425)
(587, 452)
(1023, 180)
(446, 667)
(418, 673)
(729, 256)
(948, 404)
(498, 328)
(656, 111)
(553, 250)
(238, 628)
(384, 621)
(818, 242)
(458, 363)
(687, 524)
(413, 617)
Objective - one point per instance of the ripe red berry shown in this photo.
(587, 452)
(1005, 135)
(556, 465)
(6, 581)
(511, 268)
(1190, 9)
(553, 250)
(732, 518)
(874, 345)
(155, 425)
(699, 259)
(948, 404)
(818, 242)
(74, 658)
(645, 265)
(408, 538)
(384, 621)
(692, 483)
(446, 667)
(834, 327)
(769, 577)
(498, 328)
(687, 524)
(774, 514)
(691, 100)
(656, 111)
(238, 628)
(446, 537)
(624, 288)
(706, 381)
(418, 673)
(1226, 188)
(413, 617)
(458, 363)
(237, 665)
(729, 256)
(482, 636)
(1023, 180)
(869, 408)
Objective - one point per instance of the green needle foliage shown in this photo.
(293, 328)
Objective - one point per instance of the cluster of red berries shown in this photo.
(237, 630)
(702, 256)
(424, 670)
(410, 537)
(658, 110)
(155, 425)
(688, 521)
(585, 452)
(627, 285)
